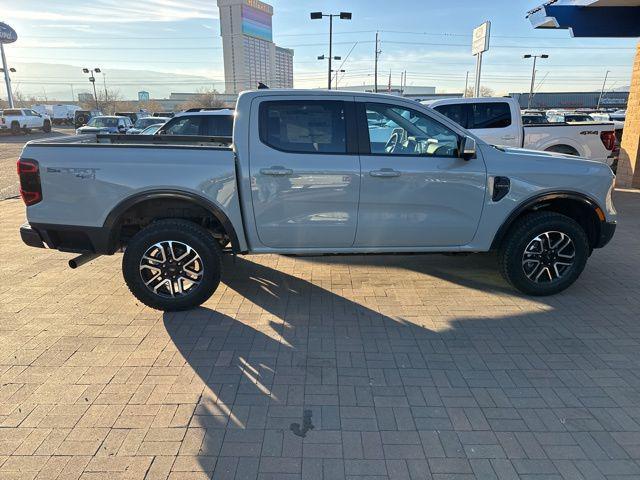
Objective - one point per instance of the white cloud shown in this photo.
(114, 11)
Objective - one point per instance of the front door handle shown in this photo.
(276, 171)
(384, 172)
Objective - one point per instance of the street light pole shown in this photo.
(318, 16)
(92, 79)
(606, 75)
(533, 75)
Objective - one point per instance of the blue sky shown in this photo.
(430, 39)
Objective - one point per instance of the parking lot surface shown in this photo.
(10, 148)
(400, 367)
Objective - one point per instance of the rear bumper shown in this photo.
(67, 238)
(31, 237)
(607, 229)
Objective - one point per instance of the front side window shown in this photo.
(489, 115)
(408, 132)
(305, 126)
(184, 126)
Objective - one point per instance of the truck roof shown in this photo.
(318, 92)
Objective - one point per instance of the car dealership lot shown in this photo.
(406, 366)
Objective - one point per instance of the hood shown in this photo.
(542, 154)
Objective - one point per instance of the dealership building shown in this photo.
(250, 56)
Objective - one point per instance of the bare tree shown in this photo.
(484, 92)
(204, 99)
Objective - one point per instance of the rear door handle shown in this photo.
(276, 171)
(509, 137)
(384, 172)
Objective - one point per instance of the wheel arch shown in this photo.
(579, 206)
(114, 219)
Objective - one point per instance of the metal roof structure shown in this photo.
(589, 18)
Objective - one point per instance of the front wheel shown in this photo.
(46, 127)
(544, 253)
(172, 265)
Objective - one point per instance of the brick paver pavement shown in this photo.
(400, 367)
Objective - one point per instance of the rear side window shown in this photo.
(489, 115)
(457, 113)
(220, 125)
(185, 126)
(304, 126)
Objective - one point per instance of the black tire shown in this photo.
(566, 149)
(187, 233)
(46, 127)
(522, 235)
(15, 128)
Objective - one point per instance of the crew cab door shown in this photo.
(416, 191)
(494, 121)
(305, 171)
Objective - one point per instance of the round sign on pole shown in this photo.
(7, 34)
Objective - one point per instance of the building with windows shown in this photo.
(250, 56)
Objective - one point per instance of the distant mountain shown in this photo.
(57, 82)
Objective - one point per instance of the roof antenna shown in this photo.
(262, 86)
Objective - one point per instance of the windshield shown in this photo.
(147, 121)
(103, 122)
(151, 130)
(578, 118)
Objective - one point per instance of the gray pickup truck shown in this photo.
(313, 172)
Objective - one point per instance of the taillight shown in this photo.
(608, 139)
(30, 187)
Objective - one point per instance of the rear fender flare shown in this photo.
(115, 215)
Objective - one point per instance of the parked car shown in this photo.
(24, 120)
(134, 116)
(145, 122)
(151, 129)
(204, 122)
(498, 121)
(82, 117)
(305, 177)
(569, 117)
(534, 119)
(106, 124)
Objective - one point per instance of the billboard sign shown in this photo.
(480, 41)
(256, 21)
(143, 96)
(7, 34)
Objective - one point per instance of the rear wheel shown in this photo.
(544, 253)
(172, 265)
(15, 128)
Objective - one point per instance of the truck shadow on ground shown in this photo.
(288, 367)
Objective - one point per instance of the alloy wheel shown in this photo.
(548, 257)
(171, 269)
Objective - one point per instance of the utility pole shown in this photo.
(73, 96)
(318, 16)
(92, 79)
(104, 82)
(533, 75)
(375, 67)
(606, 75)
(466, 85)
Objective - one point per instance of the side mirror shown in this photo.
(469, 148)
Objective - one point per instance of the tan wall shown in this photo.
(629, 163)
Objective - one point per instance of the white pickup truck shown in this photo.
(498, 122)
(23, 120)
